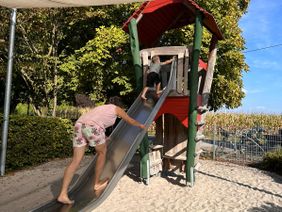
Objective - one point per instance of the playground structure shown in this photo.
(183, 89)
(171, 139)
(188, 100)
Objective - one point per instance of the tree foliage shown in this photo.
(47, 39)
(61, 52)
(227, 84)
(98, 67)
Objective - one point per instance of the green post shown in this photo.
(144, 156)
(134, 44)
(193, 87)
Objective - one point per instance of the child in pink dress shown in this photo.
(90, 130)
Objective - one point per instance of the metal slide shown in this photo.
(125, 140)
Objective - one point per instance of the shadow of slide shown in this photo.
(241, 184)
(269, 207)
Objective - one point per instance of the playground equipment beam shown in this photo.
(134, 44)
(8, 90)
(193, 87)
(210, 70)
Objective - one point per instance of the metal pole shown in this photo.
(213, 142)
(8, 90)
(193, 87)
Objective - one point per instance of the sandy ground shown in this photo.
(23, 190)
(219, 187)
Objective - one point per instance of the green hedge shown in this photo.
(272, 161)
(33, 140)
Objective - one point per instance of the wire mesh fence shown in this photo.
(241, 145)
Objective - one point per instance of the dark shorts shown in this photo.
(152, 79)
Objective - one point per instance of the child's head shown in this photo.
(115, 100)
(156, 59)
(83, 101)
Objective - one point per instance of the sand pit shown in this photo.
(219, 187)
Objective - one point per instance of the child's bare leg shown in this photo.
(101, 151)
(143, 95)
(78, 153)
(158, 89)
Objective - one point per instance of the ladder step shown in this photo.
(199, 137)
(198, 153)
(200, 123)
(202, 109)
(197, 166)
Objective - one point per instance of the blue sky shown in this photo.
(262, 27)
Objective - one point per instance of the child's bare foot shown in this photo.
(102, 184)
(143, 97)
(158, 94)
(65, 200)
(160, 91)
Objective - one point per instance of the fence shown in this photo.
(241, 145)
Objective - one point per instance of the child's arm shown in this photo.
(167, 61)
(122, 114)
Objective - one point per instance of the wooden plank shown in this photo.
(180, 74)
(175, 140)
(202, 77)
(210, 71)
(145, 63)
(178, 152)
(166, 50)
(186, 71)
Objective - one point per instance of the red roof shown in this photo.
(161, 15)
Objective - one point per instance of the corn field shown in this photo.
(242, 138)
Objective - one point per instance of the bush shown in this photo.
(272, 161)
(24, 109)
(68, 112)
(33, 140)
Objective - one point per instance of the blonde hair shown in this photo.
(155, 58)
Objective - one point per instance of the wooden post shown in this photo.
(210, 71)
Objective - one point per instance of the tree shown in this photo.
(61, 52)
(99, 67)
(4, 32)
(18, 85)
(227, 84)
(39, 34)
(46, 38)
